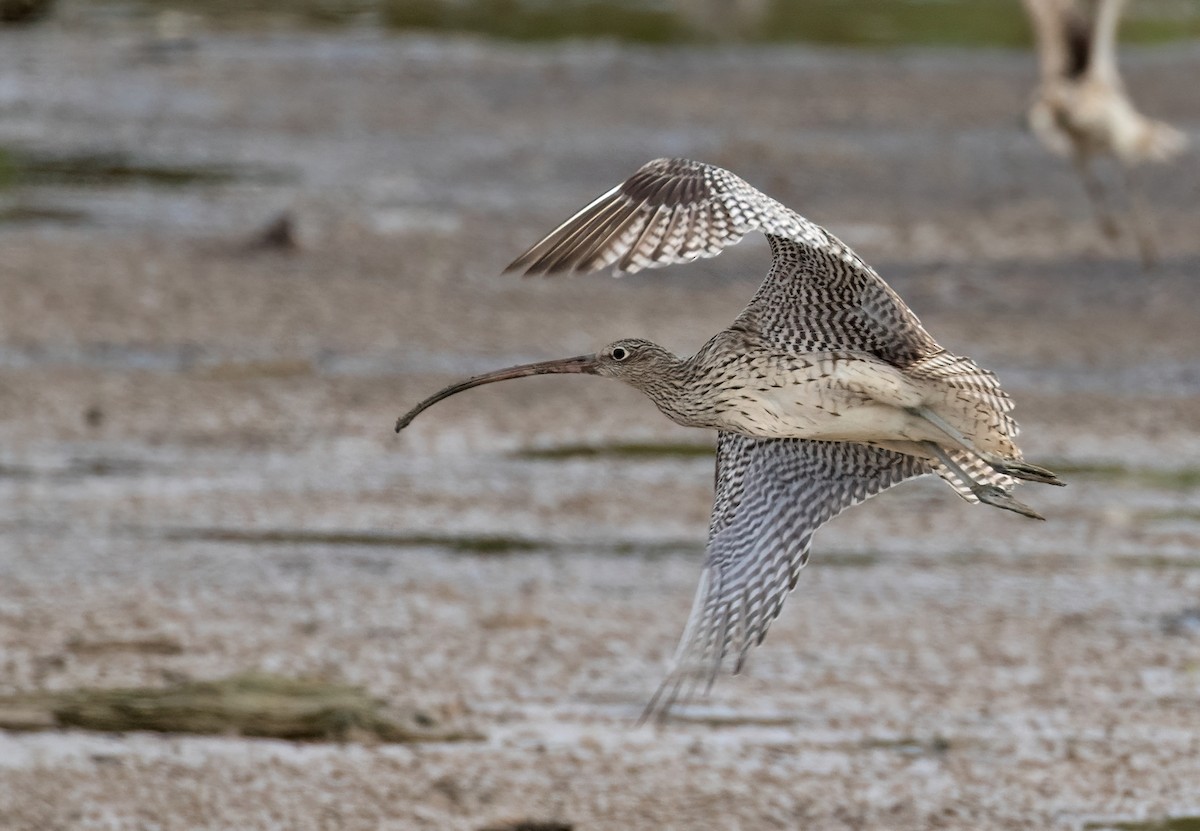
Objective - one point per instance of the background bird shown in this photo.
(1082, 110)
(825, 390)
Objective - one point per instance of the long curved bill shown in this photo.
(582, 364)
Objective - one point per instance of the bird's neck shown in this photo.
(669, 387)
(683, 392)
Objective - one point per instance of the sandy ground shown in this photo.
(197, 445)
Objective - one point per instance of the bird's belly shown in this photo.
(790, 413)
(827, 396)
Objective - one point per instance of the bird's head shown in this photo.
(637, 362)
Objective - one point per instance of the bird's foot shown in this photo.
(1026, 471)
(999, 498)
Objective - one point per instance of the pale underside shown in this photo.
(838, 396)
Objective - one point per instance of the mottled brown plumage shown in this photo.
(825, 390)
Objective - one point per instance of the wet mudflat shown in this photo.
(198, 478)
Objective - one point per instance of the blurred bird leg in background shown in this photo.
(1081, 108)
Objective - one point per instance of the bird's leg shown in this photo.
(1094, 189)
(992, 495)
(1011, 467)
(1139, 219)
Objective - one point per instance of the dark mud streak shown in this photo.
(488, 545)
(1187, 478)
(23, 167)
(1168, 824)
(251, 704)
(631, 450)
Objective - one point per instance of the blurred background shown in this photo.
(839, 22)
(238, 239)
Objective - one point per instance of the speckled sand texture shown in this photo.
(196, 445)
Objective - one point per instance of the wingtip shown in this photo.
(557, 268)
(517, 266)
(529, 264)
(653, 711)
(648, 715)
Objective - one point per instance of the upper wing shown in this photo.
(771, 497)
(670, 211)
(818, 295)
(814, 302)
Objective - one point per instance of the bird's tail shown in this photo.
(970, 399)
(972, 472)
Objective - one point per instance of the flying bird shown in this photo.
(1081, 109)
(824, 391)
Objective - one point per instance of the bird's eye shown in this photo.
(620, 353)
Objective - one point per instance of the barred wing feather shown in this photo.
(818, 295)
(771, 497)
(669, 211)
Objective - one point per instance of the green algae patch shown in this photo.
(481, 544)
(253, 705)
(1157, 561)
(910, 745)
(1175, 479)
(36, 168)
(614, 19)
(1171, 515)
(860, 23)
(149, 645)
(21, 214)
(850, 559)
(719, 718)
(620, 450)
